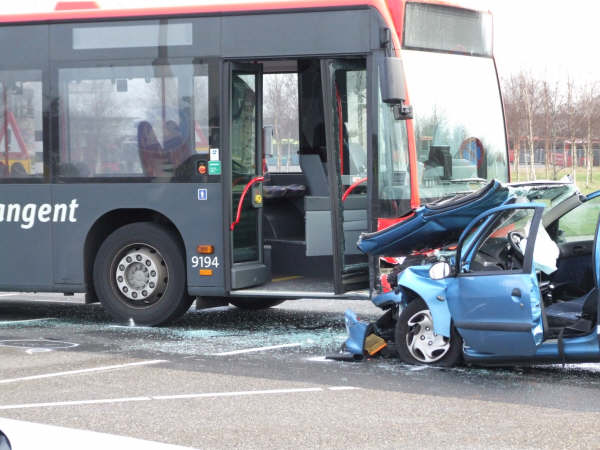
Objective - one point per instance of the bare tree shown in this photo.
(281, 110)
(570, 107)
(588, 107)
(550, 106)
(514, 113)
(531, 98)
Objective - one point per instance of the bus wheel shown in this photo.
(254, 304)
(140, 275)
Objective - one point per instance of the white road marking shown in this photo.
(80, 371)
(256, 349)
(77, 403)
(319, 359)
(237, 394)
(7, 322)
(32, 351)
(24, 435)
(176, 397)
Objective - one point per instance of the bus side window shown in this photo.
(21, 146)
(132, 121)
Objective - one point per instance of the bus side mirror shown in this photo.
(393, 90)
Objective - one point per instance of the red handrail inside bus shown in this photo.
(252, 182)
(352, 187)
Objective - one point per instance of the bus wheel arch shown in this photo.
(107, 224)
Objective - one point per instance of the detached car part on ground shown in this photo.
(515, 290)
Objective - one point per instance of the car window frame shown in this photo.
(589, 198)
(490, 216)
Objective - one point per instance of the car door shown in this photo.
(575, 239)
(494, 300)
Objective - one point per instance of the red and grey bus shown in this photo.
(141, 150)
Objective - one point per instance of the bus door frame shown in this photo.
(333, 169)
(252, 273)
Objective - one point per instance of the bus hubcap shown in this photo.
(141, 275)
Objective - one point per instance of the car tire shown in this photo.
(140, 275)
(416, 342)
(255, 304)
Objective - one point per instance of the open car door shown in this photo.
(495, 299)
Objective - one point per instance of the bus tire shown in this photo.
(140, 275)
(255, 304)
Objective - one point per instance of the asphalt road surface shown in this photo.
(223, 378)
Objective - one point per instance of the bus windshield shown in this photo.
(459, 126)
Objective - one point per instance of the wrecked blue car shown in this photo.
(520, 287)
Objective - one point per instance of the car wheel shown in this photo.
(255, 304)
(417, 343)
(140, 275)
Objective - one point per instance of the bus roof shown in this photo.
(88, 11)
(203, 7)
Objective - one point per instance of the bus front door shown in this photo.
(245, 158)
(345, 103)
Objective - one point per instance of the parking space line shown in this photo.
(237, 394)
(77, 403)
(80, 371)
(256, 349)
(176, 397)
(8, 322)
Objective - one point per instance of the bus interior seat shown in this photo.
(176, 144)
(292, 191)
(18, 170)
(150, 150)
(74, 170)
(316, 177)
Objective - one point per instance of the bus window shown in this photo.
(21, 146)
(459, 137)
(394, 175)
(355, 128)
(134, 121)
(350, 121)
(280, 110)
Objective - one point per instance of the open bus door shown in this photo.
(245, 145)
(345, 92)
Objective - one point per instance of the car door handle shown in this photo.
(578, 250)
(516, 292)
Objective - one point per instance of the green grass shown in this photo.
(540, 174)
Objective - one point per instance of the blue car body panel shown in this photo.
(492, 320)
(357, 332)
(433, 225)
(433, 293)
(576, 349)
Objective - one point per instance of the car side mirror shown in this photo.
(439, 270)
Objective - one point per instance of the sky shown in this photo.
(550, 39)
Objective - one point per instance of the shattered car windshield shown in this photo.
(549, 194)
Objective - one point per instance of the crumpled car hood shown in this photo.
(438, 224)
